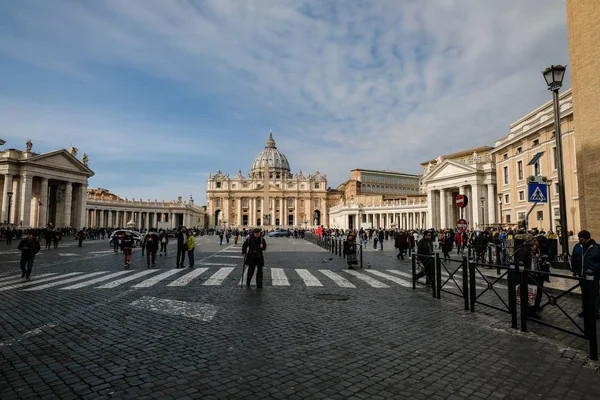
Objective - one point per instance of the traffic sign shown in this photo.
(462, 200)
(462, 224)
(537, 192)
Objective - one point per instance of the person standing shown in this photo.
(220, 237)
(381, 235)
(401, 244)
(425, 256)
(190, 245)
(164, 240)
(29, 247)
(127, 247)
(48, 237)
(9, 234)
(586, 257)
(181, 247)
(80, 237)
(151, 244)
(350, 251)
(236, 234)
(56, 236)
(252, 250)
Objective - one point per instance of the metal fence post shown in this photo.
(512, 295)
(489, 255)
(498, 259)
(413, 259)
(465, 283)
(589, 313)
(472, 282)
(432, 275)
(361, 258)
(438, 276)
(523, 288)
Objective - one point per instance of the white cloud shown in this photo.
(382, 84)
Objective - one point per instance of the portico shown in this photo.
(42, 189)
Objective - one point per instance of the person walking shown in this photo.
(586, 257)
(48, 238)
(381, 237)
(425, 256)
(164, 240)
(56, 236)
(236, 234)
(252, 250)
(181, 247)
(350, 251)
(127, 247)
(151, 244)
(9, 235)
(220, 238)
(190, 245)
(401, 244)
(80, 237)
(114, 241)
(29, 247)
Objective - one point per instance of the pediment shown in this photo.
(62, 160)
(449, 169)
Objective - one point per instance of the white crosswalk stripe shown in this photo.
(187, 278)
(278, 277)
(155, 279)
(96, 280)
(36, 280)
(367, 279)
(11, 280)
(218, 264)
(399, 281)
(340, 281)
(308, 278)
(121, 281)
(58, 283)
(219, 276)
(225, 256)
(10, 277)
(449, 284)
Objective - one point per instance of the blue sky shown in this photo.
(161, 93)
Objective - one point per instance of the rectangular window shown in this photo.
(507, 199)
(521, 216)
(218, 202)
(519, 150)
(276, 203)
(233, 185)
(507, 218)
(505, 156)
(316, 203)
(555, 189)
(540, 215)
(302, 186)
(316, 185)
(554, 159)
(521, 195)
(536, 142)
(245, 203)
(520, 169)
(257, 203)
(290, 202)
(218, 185)
(506, 175)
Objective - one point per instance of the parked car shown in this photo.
(278, 233)
(137, 237)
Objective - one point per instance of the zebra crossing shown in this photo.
(222, 275)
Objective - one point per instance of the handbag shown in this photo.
(531, 294)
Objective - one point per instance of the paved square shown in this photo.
(84, 327)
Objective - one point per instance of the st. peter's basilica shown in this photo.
(293, 200)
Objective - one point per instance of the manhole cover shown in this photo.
(327, 296)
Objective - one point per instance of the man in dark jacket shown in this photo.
(401, 244)
(164, 240)
(586, 257)
(151, 245)
(181, 247)
(29, 248)
(252, 250)
(425, 255)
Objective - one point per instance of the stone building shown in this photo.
(107, 210)
(270, 196)
(385, 182)
(470, 172)
(42, 189)
(532, 134)
(584, 36)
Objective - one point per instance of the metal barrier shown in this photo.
(417, 263)
(463, 286)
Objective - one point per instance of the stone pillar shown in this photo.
(429, 208)
(82, 205)
(475, 205)
(296, 214)
(253, 216)
(491, 202)
(443, 210)
(25, 200)
(239, 212)
(67, 208)
(8, 185)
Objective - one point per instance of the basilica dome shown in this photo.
(276, 160)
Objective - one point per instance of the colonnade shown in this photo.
(480, 210)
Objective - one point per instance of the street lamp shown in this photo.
(9, 194)
(482, 199)
(554, 76)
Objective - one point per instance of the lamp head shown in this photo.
(554, 75)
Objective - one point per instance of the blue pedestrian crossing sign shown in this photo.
(537, 192)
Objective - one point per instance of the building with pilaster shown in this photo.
(42, 189)
(270, 196)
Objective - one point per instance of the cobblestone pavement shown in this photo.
(84, 327)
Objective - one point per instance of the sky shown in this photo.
(162, 93)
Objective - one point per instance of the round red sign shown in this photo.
(462, 224)
(461, 201)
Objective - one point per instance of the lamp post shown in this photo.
(9, 194)
(554, 77)
(482, 199)
(500, 208)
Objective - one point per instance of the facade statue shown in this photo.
(85, 159)
(28, 146)
(73, 151)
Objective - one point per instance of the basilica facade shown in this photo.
(270, 196)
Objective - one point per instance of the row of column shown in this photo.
(102, 218)
(391, 220)
(481, 208)
(253, 208)
(31, 209)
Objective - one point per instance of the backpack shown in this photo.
(127, 240)
(150, 240)
(402, 238)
